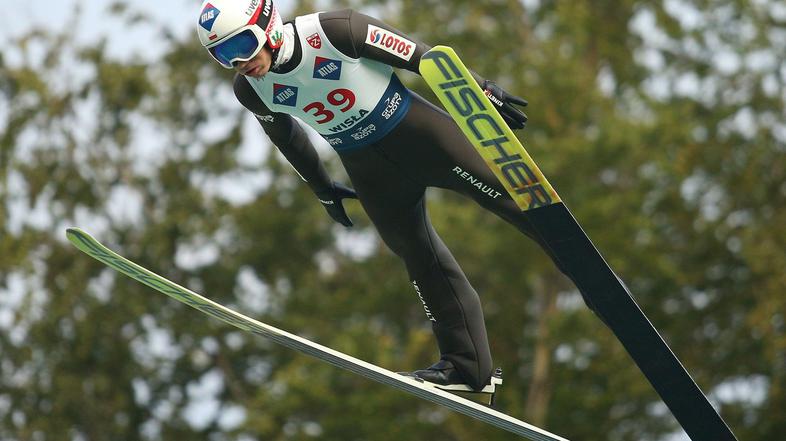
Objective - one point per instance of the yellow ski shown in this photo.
(453, 84)
(558, 230)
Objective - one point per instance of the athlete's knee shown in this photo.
(415, 248)
(415, 252)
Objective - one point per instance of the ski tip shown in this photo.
(441, 48)
(73, 231)
(78, 236)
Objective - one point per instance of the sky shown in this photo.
(94, 20)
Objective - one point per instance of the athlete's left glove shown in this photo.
(332, 201)
(504, 101)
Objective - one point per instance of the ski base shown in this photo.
(568, 245)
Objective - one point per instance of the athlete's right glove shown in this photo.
(504, 101)
(332, 201)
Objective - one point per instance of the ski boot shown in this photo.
(443, 375)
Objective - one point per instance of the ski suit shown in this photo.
(392, 152)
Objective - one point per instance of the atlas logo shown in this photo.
(208, 17)
(314, 40)
(285, 95)
(390, 42)
(327, 69)
(474, 109)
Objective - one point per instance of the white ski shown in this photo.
(98, 251)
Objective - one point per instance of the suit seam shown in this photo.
(452, 289)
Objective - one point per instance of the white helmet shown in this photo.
(236, 30)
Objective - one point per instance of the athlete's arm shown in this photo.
(350, 32)
(287, 135)
(292, 141)
(358, 35)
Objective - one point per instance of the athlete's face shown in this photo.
(256, 67)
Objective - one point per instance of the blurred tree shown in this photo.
(661, 124)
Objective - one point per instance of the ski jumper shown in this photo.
(393, 144)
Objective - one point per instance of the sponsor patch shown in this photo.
(276, 39)
(391, 105)
(349, 122)
(285, 95)
(327, 69)
(265, 10)
(253, 8)
(266, 118)
(364, 132)
(477, 183)
(314, 40)
(492, 98)
(429, 315)
(390, 42)
(208, 17)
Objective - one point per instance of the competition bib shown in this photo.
(350, 102)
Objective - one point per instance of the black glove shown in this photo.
(504, 101)
(331, 200)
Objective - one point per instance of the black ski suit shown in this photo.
(426, 149)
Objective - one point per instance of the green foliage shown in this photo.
(666, 140)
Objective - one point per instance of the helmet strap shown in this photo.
(275, 53)
(287, 48)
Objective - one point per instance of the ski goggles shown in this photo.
(241, 45)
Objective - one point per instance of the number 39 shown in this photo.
(343, 99)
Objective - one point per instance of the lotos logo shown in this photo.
(314, 40)
(285, 95)
(390, 42)
(208, 17)
(327, 69)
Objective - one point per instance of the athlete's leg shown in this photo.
(441, 156)
(395, 203)
(429, 146)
